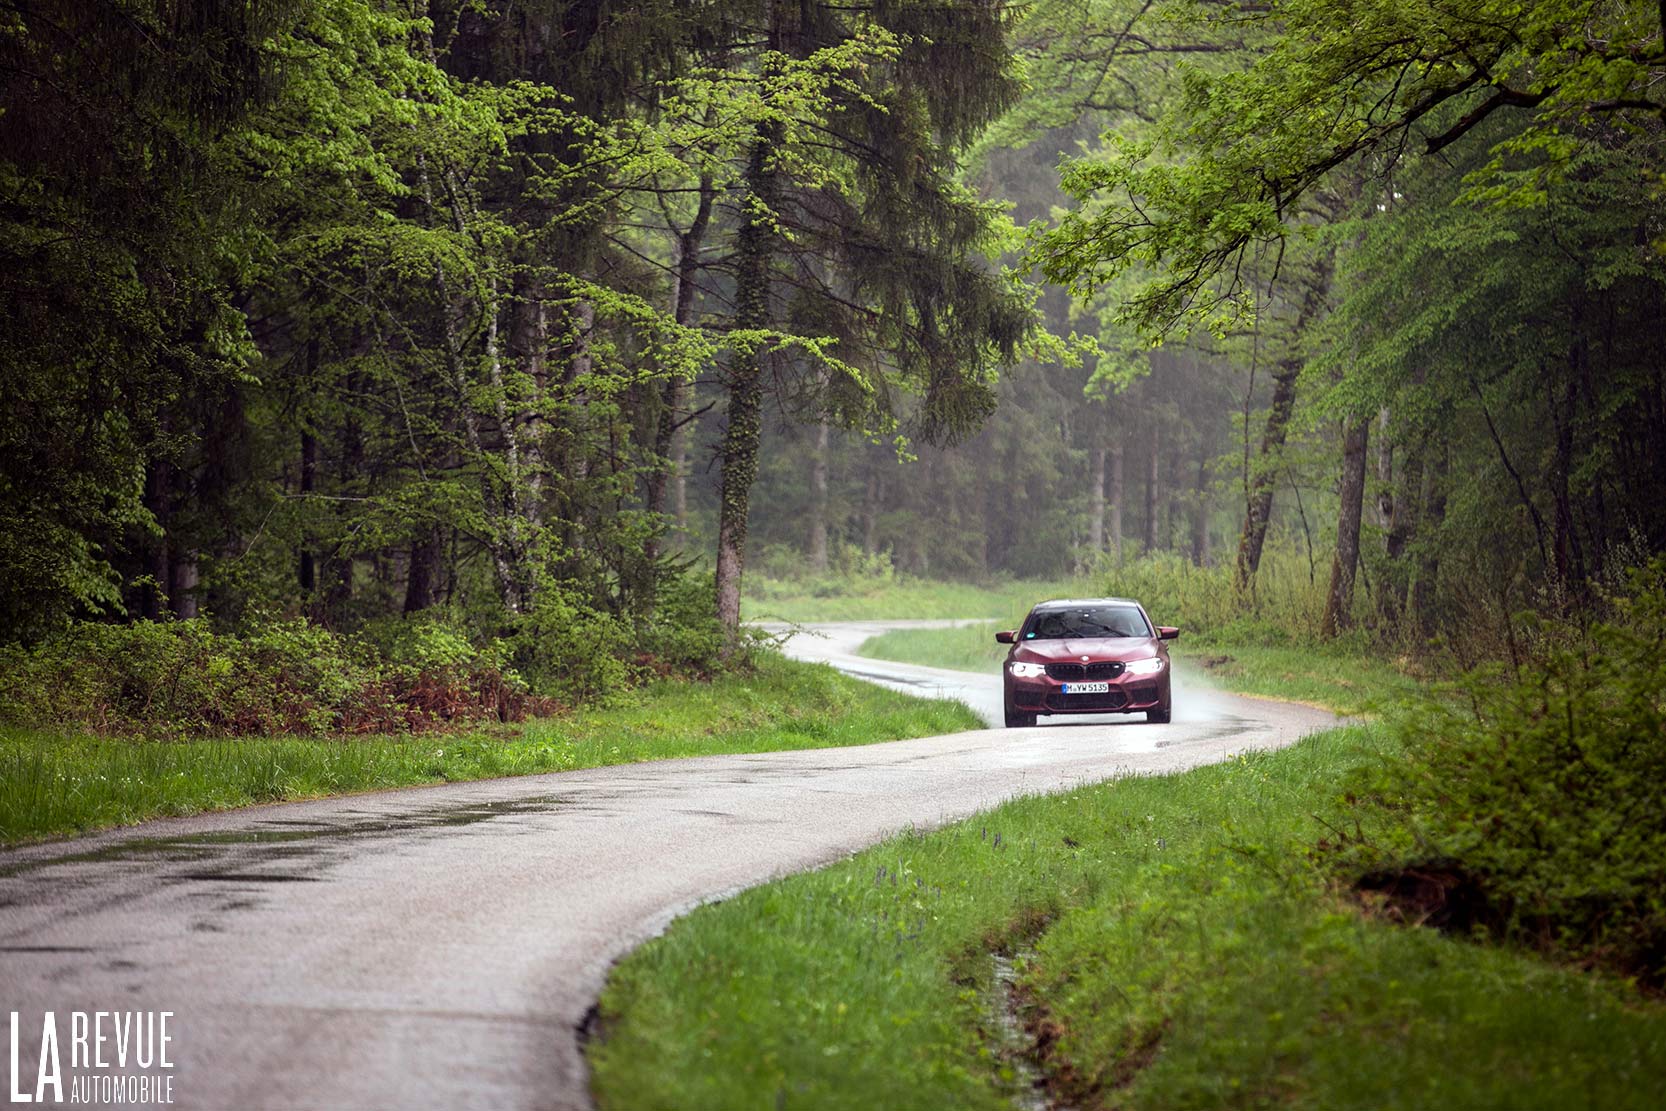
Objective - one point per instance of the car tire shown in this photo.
(1016, 720)
(1159, 717)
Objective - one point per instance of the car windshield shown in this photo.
(1087, 621)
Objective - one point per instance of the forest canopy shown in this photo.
(557, 316)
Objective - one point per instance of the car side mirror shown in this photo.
(1008, 637)
(1167, 632)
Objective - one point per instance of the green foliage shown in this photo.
(1243, 151)
(427, 641)
(119, 235)
(1537, 796)
(182, 678)
(682, 636)
(569, 647)
(418, 671)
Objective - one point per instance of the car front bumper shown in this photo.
(1128, 694)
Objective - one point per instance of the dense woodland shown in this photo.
(546, 317)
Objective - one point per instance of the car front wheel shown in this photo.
(1016, 720)
(1160, 716)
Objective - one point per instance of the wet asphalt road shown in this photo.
(441, 946)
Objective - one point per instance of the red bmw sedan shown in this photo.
(1087, 656)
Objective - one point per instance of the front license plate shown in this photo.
(1087, 688)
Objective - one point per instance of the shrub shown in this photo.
(1531, 808)
(684, 636)
(570, 651)
(287, 676)
(431, 641)
(395, 674)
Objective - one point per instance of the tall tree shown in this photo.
(853, 227)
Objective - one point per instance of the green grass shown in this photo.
(1347, 679)
(837, 599)
(1177, 945)
(963, 648)
(54, 784)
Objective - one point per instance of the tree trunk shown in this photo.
(516, 521)
(1259, 510)
(529, 338)
(184, 576)
(738, 452)
(818, 499)
(339, 567)
(1384, 508)
(1339, 599)
(1174, 495)
(1423, 599)
(1570, 557)
(871, 496)
(679, 467)
(422, 571)
(1258, 507)
(159, 498)
(986, 525)
(1151, 490)
(670, 435)
(307, 572)
(1118, 491)
(1398, 503)
(1384, 473)
(1200, 512)
(504, 563)
(1515, 476)
(1096, 505)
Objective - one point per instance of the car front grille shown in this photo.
(1112, 700)
(1068, 671)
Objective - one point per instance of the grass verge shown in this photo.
(1343, 679)
(54, 784)
(1177, 946)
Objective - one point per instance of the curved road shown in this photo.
(442, 946)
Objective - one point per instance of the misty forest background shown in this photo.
(496, 340)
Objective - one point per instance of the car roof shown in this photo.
(1072, 603)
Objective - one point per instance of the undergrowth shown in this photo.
(288, 675)
(1530, 807)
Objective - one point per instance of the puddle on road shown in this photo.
(243, 877)
(1230, 727)
(304, 841)
(47, 949)
(227, 872)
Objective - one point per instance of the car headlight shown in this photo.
(1153, 666)
(1027, 671)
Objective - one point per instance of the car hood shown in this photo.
(1095, 648)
